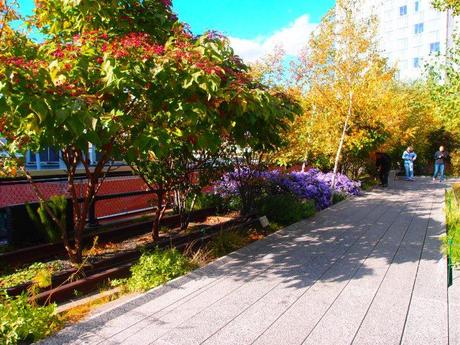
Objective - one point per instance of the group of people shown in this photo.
(383, 163)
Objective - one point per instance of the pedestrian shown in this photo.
(409, 157)
(440, 158)
(383, 164)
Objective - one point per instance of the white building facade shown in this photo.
(411, 32)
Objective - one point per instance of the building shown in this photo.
(411, 32)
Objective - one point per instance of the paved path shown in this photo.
(366, 271)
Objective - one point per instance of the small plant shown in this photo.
(227, 242)
(338, 197)
(156, 268)
(21, 320)
(211, 200)
(285, 208)
(29, 273)
(58, 206)
(453, 223)
(199, 257)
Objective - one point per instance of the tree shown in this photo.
(212, 106)
(444, 5)
(444, 87)
(81, 85)
(347, 88)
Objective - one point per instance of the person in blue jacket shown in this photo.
(409, 157)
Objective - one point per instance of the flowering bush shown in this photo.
(342, 183)
(310, 185)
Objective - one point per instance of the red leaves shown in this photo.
(135, 42)
(58, 53)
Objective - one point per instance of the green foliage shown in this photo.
(444, 86)
(455, 161)
(21, 321)
(453, 223)
(29, 273)
(227, 242)
(285, 209)
(338, 197)
(210, 200)
(443, 5)
(156, 268)
(58, 205)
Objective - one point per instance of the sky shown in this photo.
(255, 27)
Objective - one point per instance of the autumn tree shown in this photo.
(453, 5)
(80, 86)
(212, 104)
(347, 88)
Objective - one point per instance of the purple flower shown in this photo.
(311, 185)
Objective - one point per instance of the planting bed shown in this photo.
(113, 260)
(105, 234)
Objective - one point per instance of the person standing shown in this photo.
(409, 157)
(440, 159)
(383, 164)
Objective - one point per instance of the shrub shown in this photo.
(227, 242)
(244, 183)
(455, 161)
(453, 223)
(338, 197)
(310, 185)
(285, 208)
(210, 200)
(21, 321)
(156, 268)
(27, 274)
(58, 206)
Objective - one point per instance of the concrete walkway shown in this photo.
(366, 271)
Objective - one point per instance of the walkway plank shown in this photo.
(366, 271)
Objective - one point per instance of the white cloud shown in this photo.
(291, 38)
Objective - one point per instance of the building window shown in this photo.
(47, 156)
(417, 6)
(435, 47)
(403, 10)
(419, 28)
(416, 62)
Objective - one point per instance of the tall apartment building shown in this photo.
(411, 32)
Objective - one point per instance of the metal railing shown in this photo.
(121, 194)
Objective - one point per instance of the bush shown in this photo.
(285, 208)
(453, 223)
(455, 161)
(21, 321)
(217, 201)
(338, 197)
(156, 268)
(27, 274)
(227, 242)
(58, 206)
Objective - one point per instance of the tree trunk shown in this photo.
(342, 139)
(185, 214)
(161, 208)
(305, 160)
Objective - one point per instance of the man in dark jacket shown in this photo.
(440, 159)
(383, 164)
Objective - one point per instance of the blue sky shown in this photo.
(254, 26)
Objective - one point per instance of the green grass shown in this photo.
(453, 223)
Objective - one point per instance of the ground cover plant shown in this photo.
(23, 322)
(453, 223)
(10, 278)
(156, 268)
